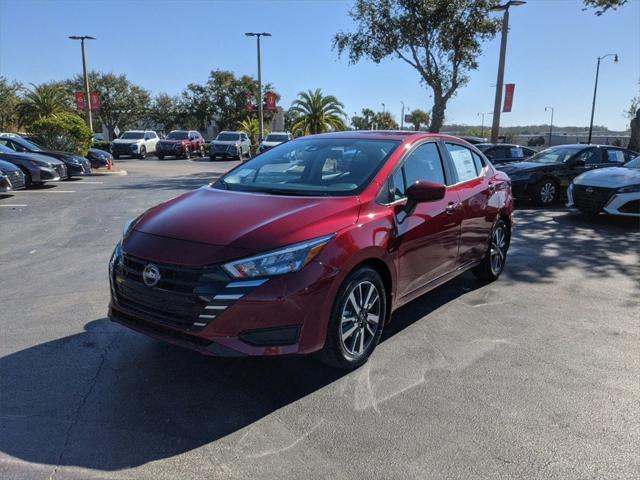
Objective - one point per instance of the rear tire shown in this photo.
(357, 318)
(187, 153)
(547, 192)
(496, 256)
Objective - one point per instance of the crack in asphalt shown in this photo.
(83, 402)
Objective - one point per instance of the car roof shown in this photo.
(398, 135)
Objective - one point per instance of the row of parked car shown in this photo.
(188, 143)
(24, 162)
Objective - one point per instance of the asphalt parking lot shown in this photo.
(534, 376)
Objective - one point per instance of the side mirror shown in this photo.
(578, 163)
(424, 191)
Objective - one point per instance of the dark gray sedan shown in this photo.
(36, 168)
(11, 177)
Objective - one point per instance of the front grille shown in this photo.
(179, 298)
(592, 199)
(224, 148)
(62, 170)
(17, 179)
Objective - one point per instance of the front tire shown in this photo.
(494, 259)
(202, 152)
(187, 153)
(143, 153)
(357, 319)
(547, 192)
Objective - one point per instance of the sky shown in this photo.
(165, 44)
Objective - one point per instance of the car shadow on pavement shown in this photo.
(109, 398)
(546, 241)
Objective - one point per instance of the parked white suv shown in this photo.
(230, 144)
(274, 138)
(136, 143)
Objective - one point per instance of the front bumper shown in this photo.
(124, 149)
(78, 170)
(169, 150)
(205, 310)
(224, 151)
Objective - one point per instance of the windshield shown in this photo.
(29, 145)
(483, 146)
(326, 166)
(132, 135)
(635, 163)
(272, 137)
(555, 155)
(228, 137)
(178, 136)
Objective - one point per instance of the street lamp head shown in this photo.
(510, 3)
(258, 34)
(82, 37)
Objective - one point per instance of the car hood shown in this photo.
(24, 156)
(172, 142)
(97, 151)
(248, 221)
(225, 142)
(126, 141)
(611, 177)
(7, 167)
(523, 167)
(271, 144)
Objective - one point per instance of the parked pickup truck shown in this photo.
(135, 143)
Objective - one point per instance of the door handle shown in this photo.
(451, 208)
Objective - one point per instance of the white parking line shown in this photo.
(15, 205)
(44, 191)
(80, 182)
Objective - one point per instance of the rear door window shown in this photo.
(615, 156)
(464, 163)
(590, 156)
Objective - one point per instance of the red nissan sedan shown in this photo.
(311, 245)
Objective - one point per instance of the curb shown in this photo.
(112, 172)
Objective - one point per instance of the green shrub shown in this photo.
(65, 131)
(101, 145)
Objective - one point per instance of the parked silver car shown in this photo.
(36, 168)
(273, 139)
(236, 145)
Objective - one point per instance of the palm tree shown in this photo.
(316, 113)
(41, 101)
(251, 127)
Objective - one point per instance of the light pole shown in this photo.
(595, 89)
(402, 116)
(87, 101)
(495, 127)
(481, 114)
(551, 125)
(260, 107)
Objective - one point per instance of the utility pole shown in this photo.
(87, 97)
(495, 128)
(260, 106)
(551, 125)
(595, 90)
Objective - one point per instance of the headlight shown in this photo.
(74, 160)
(629, 189)
(128, 226)
(285, 260)
(134, 146)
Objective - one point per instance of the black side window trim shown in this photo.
(446, 168)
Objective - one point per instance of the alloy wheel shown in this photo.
(360, 318)
(547, 192)
(498, 249)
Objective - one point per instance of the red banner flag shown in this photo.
(270, 101)
(80, 103)
(95, 101)
(508, 96)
